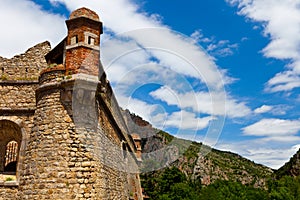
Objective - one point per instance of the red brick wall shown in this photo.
(81, 25)
(82, 60)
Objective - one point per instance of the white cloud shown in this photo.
(276, 110)
(24, 25)
(136, 106)
(143, 42)
(214, 47)
(152, 35)
(281, 23)
(272, 155)
(186, 120)
(203, 102)
(278, 128)
(283, 81)
(161, 119)
(263, 109)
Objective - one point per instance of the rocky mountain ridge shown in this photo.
(291, 168)
(194, 159)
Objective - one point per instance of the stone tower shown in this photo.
(83, 40)
(71, 141)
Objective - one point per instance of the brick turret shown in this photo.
(83, 41)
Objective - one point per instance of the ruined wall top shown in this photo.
(25, 67)
(84, 12)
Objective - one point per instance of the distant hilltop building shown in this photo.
(62, 135)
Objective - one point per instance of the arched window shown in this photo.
(11, 157)
(10, 143)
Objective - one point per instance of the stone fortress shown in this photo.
(62, 135)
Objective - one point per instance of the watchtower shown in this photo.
(83, 40)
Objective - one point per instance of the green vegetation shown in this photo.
(4, 77)
(225, 175)
(172, 184)
(167, 137)
(70, 73)
(32, 78)
(68, 77)
(286, 188)
(219, 164)
(9, 179)
(52, 65)
(193, 150)
(290, 168)
(235, 165)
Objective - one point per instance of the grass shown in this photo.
(4, 77)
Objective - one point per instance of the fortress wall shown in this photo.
(100, 136)
(8, 192)
(74, 146)
(17, 95)
(120, 162)
(110, 104)
(67, 160)
(25, 66)
(57, 164)
(22, 125)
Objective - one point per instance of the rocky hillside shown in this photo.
(291, 168)
(195, 160)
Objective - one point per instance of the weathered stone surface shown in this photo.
(25, 67)
(8, 193)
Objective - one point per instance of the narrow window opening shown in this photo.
(74, 40)
(124, 150)
(91, 40)
(2, 69)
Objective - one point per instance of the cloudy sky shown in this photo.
(224, 72)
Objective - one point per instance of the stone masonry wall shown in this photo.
(25, 122)
(8, 193)
(101, 137)
(25, 66)
(113, 124)
(67, 160)
(17, 95)
(73, 145)
(46, 168)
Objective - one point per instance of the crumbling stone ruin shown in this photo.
(62, 135)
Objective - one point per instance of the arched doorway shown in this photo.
(10, 142)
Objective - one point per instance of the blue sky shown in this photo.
(224, 72)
